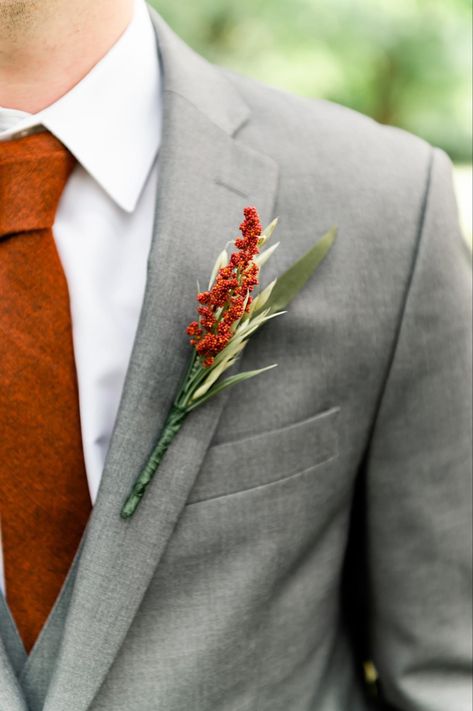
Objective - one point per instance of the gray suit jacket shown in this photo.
(320, 512)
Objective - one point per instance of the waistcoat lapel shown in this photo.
(206, 178)
(11, 658)
(11, 640)
(37, 669)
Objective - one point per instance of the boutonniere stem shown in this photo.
(229, 313)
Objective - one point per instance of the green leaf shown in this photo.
(229, 382)
(265, 255)
(291, 282)
(267, 234)
(222, 260)
(218, 370)
(262, 298)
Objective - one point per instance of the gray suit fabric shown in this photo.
(347, 468)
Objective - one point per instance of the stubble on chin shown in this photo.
(18, 17)
(17, 12)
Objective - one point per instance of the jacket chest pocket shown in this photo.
(265, 458)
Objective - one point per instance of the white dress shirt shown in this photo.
(111, 122)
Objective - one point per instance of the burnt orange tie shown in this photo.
(44, 498)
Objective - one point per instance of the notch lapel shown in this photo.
(206, 178)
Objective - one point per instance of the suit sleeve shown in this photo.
(418, 477)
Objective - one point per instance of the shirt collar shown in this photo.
(111, 120)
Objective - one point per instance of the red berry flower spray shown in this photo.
(229, 313)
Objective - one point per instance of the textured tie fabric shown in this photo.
(44, 497)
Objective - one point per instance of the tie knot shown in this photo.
(33, 173)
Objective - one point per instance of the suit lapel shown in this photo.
(206, 178)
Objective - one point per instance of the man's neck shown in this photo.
(48, 46)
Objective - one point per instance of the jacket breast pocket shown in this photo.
(268, 457)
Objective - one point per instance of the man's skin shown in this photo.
(48, 46)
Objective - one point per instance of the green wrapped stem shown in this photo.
(172, 426)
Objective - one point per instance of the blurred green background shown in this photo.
(403, 62)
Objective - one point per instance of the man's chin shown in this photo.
(20, 7)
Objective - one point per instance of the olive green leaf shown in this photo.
(228, 382)
(291, 282)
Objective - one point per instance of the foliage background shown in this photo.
(403, 62)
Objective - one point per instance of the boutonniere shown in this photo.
(229, 313)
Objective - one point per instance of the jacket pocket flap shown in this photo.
(256, 460)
